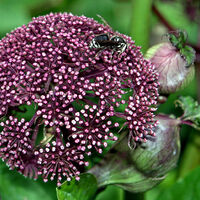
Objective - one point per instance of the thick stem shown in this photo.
(176, 121)
(187, 122)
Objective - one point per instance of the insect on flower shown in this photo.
(103, 41)
(73, 116)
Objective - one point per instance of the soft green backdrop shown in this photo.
(136, 19)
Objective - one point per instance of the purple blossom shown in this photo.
(91, 126)
(58, 159)
(16, 146)
(76, 91)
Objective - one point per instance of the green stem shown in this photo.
(140, 22)
(121, 194)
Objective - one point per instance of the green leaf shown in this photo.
(184, 189)
(178, 39)
(78, 190)
(174, 40)
(189, 54)
(191, 110)
(14, 186)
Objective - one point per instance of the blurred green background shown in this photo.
(146, 21)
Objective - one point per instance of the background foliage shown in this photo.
(146, 21)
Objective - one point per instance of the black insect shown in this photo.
(115, 43)
(100, 41)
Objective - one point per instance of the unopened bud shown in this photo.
(174, 62)
(139, 169)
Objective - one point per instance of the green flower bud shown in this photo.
(174, 62)
(139, 169)
(159, 154)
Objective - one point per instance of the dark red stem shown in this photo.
(187, 122)
(162, 19)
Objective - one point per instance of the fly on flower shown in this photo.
(81, 96)
(104, 41)
(115, 43)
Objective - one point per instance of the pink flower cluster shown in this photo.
(76, 91)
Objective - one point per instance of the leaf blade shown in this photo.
(191, 110)
(75, 190)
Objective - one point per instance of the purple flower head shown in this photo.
(16, 146)
(91, 126)
(58, 159)
(77, 90)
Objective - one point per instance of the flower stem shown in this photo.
(162, 19)
(140, 22)
(187, 122)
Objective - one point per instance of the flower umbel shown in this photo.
(76, 91)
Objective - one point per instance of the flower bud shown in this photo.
(174, 63)
(159, 154)
(138, 170)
